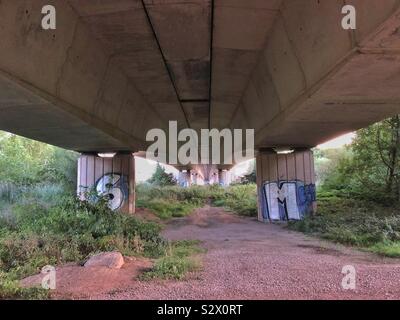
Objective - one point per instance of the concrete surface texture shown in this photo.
(113, 69)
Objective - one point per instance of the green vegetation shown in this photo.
(241, 199)
(368, 169)
(364, 224)
(170, 201)
(181, 258)
(26, 164)
(161, 178)
(174, 201)
(359, 191)
(71, 231)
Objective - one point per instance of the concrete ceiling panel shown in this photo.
(241, 28)
(29, 53)
(100, 7)
(221, 114)
(123, 31)
(113, 94)
(250, 4)
(365, 77)
(370, 14)
(283, 65)
(315, 30)
(85, 63)
(182, 28)
(192, 79)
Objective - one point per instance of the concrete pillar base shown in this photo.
(113, 178)
(286, 185)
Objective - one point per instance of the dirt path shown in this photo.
(250, 260)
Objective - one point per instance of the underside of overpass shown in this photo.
(114, 69)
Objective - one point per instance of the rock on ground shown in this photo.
(112, 260)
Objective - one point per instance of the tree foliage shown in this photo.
(370, 166)
(161, 178)
(28, 162)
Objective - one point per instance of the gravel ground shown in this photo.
(246, 259)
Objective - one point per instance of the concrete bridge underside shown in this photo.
(114, 69)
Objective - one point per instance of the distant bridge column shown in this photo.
(111, 177)
(188, 178)
(184, 178)
(181, 178)
(222, 177)
(286, 185)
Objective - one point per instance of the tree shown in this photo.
(371, 166)
(249, 178)
(26, 162)
(161, 178)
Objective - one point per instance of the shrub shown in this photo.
(242, 199)
(70, 232)
(354, 222)
(172, 201)
(180, 258)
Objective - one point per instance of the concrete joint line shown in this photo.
(165, 62)
(67, 56)
(100, 92)
(279, 14)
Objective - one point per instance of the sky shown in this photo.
(338, 142)
(145, 168)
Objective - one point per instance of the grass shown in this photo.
(38, 229)
(171, 202)
(354, 222)
(36, 235)
(10, 289)
(241, 199)
(175, 201)
(180, 259)
(391, 250)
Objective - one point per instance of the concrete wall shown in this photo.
(68, 81)
(112, 177)
(286, 185)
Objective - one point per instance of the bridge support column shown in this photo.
(222, 177)
(188, 177)
(184, 178)
(181, 178)
(113, 178)
(286, 185)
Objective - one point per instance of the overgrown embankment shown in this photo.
(365, 224)
(240, 199)
(35, 236)
(173, 201)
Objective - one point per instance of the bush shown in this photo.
(178, 261)
(242, 199)
(354, 222)
(175, 201)
(10, 289)
(70, 232)
(171, 201)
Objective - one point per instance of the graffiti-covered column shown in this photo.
(286, 185)
(109, 177)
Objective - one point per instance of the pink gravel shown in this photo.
(246, 259)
